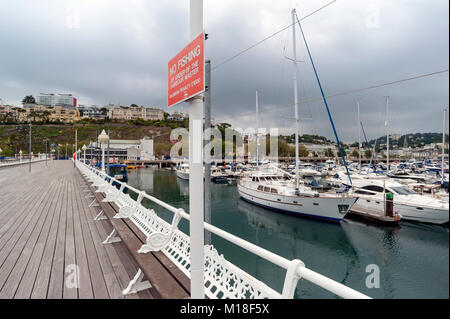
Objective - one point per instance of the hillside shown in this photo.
(413, 139)
(14, 138)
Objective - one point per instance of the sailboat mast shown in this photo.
(387, 131)
(443, 146)
(294, 49)
(257, 126)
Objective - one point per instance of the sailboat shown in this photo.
(278, 190)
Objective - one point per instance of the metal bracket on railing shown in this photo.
(291, 279)
(176, 218)
(94, 203)
(136, 284)
(158, 240)
(128, 211)
(100, 216)
(111, 197)
(112, 238)
(155, 242)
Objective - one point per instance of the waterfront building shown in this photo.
(37, 112)
(125, 113)
(124, 150)
(91, 112)
(56, 99)
(177, 116)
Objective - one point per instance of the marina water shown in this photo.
(412, 258)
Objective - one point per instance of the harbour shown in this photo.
(262, 152)
(341, 250)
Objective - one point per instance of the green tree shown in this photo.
(368, 153)
(29, 99)
(134, 105)
(354, 153)
(329, 153)
(302, 151)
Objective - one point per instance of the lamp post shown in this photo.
(103, 138)
(84, 148)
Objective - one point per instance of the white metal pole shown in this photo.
(103, 159)
(387, 131)
(359, 140)
(443, 147)
(294, 48)
(257, 129)
(196, 194)
(76, 147)
(207, 106)
(84, 156)
(29, 168)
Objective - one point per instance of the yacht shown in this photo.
(273, 190)
(183, 171)
(409, 204)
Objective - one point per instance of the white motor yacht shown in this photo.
(273, 190)
(409, 204)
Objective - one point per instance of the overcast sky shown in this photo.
(106, 51)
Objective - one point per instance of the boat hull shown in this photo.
(183, 175)
(313, 207)
(407, 212)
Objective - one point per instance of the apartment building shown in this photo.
(38, 112)
(56, 99)
(125, 113)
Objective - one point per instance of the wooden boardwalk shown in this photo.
(47, 235)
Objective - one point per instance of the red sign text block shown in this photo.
(187, 72)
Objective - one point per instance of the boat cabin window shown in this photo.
(267, 189)
(363, 192)
(260, 188)
(374, 188)
(402, 190)
(274, 190)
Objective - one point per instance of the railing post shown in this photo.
(291, 279)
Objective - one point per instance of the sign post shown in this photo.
(186, 73)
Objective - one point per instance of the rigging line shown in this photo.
(354, 91)
(323, 97)
(270, 36)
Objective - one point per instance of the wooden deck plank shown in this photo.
(85, 290)
(98, 282)
(13, 210)
(48, 225)
(43, 276)
(118, 266)
(165, 286)
(16, 275)
(27, 283)
(56, 284)
(111, 282)
(16, 216)
(13, 233)
(70, 264)
(20, 238)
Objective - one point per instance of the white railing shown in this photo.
(222, 278)
(25, 161)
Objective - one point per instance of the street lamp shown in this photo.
(103, 138)
(84, 148)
